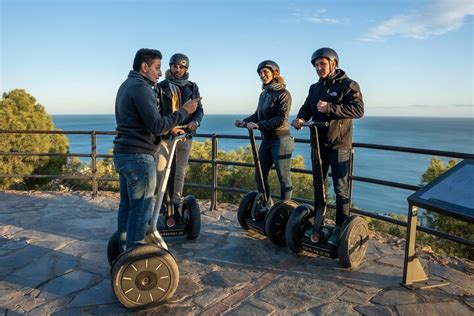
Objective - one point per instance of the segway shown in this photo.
(146, 275)
(185, 219)
(256, 211)
(351, 246)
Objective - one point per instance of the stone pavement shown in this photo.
(53, 261)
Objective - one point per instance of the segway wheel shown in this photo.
(353, 242)
(144, 276)
(113, 248)
(245, 208)
(192, 217)
(277, 218)
(298, 222)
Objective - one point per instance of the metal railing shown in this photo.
(215, 162)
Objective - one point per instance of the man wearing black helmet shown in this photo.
(176, 89)
(335, 99)
(271, 118)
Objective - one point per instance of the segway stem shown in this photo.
(162, 188)
(258, 167)
(320, 200)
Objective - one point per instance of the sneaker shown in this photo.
(335, 235)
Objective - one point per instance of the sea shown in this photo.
(446, 134)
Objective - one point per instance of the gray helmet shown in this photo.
(270, 64)
(325, 52)
(180, 59)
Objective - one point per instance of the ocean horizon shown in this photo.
(446, 134)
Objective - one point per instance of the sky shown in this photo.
(410, 57)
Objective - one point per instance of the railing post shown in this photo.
(214, 173)
(351, 172)
(94, 163)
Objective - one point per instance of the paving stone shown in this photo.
(454, 308)
(435, 295)
(263, 306)
(225, 279)
(399, 296)
(216, 309)
(355, 297)
(51, 265)
(290, 291)
(461, 279)
(187, 288)
(211, 296)
(9, 295)
(66, 284)
(99, 294)
(50, 307)
(247, 309)
(23, 256)
(374, 310)
(396, 261)
(469, 300)
(336, 308)
(198, 246)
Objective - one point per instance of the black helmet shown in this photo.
(270, 64)
(325, 52)
(180, 59)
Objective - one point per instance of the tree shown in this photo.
(20, 111)
(446, 223)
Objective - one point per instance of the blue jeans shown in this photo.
(137, 176)
(278, 151)
(339, 160)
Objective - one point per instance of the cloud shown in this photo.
(438, 18)
(317, 18)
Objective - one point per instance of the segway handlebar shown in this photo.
(317, 124)
(242, 125)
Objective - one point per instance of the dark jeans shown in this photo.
(338, 159)
(278, 151)
(137, 176)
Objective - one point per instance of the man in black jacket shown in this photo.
(335, 99)
(176, 89)
(139, 126)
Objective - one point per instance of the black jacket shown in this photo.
(272, 113)
(188, 92)
(139, 123)
(345, 103)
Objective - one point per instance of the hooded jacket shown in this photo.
(139, 123)
(345, 103)
(188, 92)
(272, 114)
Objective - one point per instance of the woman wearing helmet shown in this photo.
(271, 118)
(335, 99)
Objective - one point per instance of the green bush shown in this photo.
(20, 111)
(238, 177)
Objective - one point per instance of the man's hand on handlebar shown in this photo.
(239, 123)
(297, 123)
(177, 131)
(251, 126)
(192, 126)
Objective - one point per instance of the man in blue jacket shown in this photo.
(139, 126)
(335, 99)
